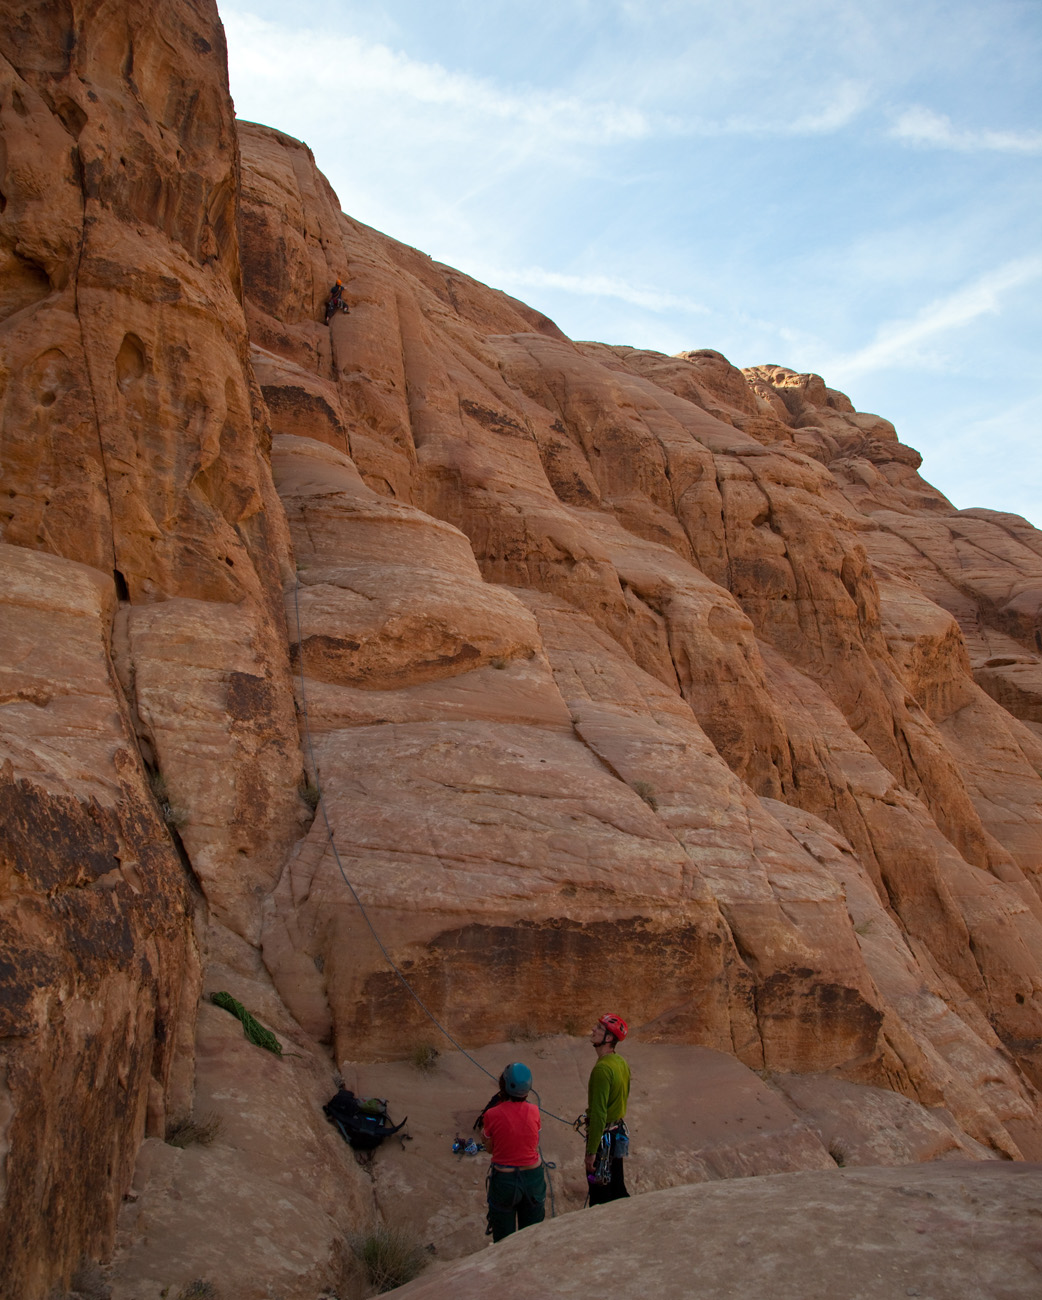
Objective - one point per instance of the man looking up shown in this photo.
(609, 1090)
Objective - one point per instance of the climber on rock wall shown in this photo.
(336, 302)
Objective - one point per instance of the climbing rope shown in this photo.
(354, 893)
(251, 1026)
(547, 1164)
(332, 844)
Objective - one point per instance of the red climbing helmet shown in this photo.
(615, 1025)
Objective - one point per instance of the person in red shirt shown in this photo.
(510, 1128)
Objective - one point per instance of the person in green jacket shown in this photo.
(608, 1093)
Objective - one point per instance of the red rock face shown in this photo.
(720, 656)
(626, 679)
(148, 741)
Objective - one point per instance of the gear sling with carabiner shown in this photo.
(614, 1145)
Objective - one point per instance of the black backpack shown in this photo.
(363, 1122)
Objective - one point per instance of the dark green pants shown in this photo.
(516, 1199)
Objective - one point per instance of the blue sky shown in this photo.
(852, 189)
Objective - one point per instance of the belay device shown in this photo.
(363, 1122)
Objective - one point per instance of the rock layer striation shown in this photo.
(556, 674)
(702, 746)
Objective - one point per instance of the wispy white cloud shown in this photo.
(273, 56)
(595, 286)
(567, 136)
(270, 54)
(922, 126)
(840, 107)
(903, 343)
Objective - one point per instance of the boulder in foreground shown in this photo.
(949, 1232)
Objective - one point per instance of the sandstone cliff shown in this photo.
(669, 686)
(624, 679)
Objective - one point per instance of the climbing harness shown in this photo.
(614, 1145)
(602, 1169)
(514, 1188)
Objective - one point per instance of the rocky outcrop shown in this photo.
(100, 973)
(148, 739)
(722, 733)
(270, 1198)
(871, 1233)
(615, 677)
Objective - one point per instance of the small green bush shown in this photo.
(390, 1257)
(309, 792)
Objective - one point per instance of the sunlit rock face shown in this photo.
(626, 680)
(148, 746)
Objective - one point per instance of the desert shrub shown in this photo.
(309, 792)
(198, 1290)
(521, 1033)
(88, 1283)
(390, 1257)
(646, 792)
(186, 1132)
(424, 1057)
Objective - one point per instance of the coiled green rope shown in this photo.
(251, 1026)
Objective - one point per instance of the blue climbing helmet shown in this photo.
(517, 1080)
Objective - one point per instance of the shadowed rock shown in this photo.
(615, 678)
